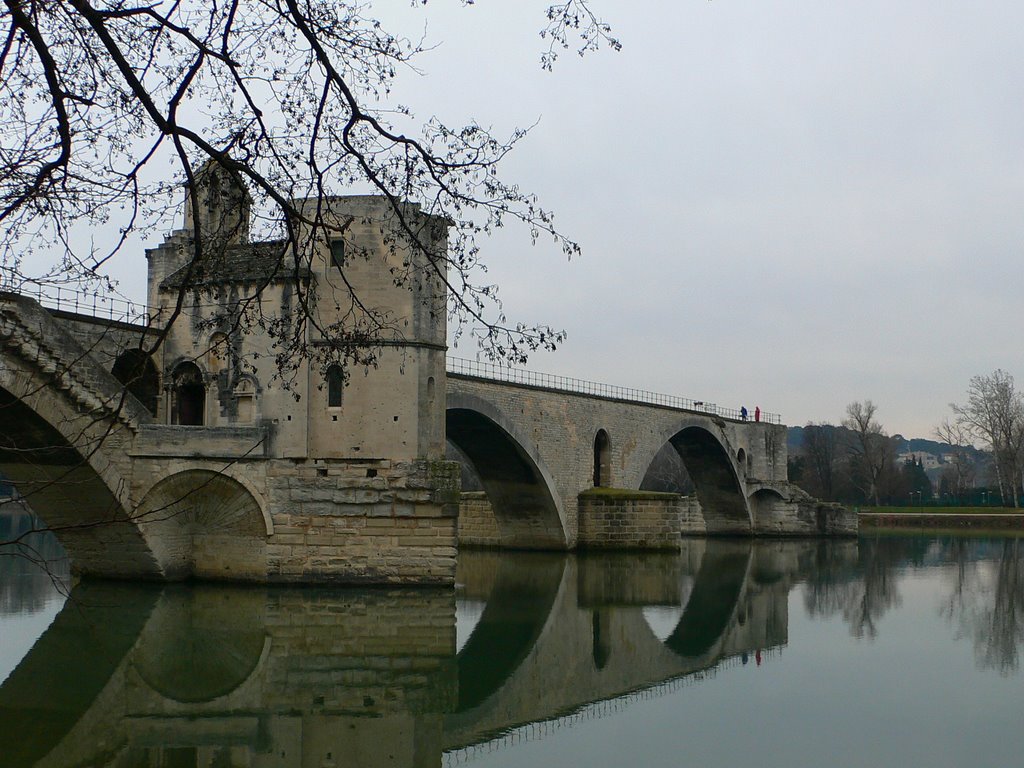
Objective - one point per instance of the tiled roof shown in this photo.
(255, 262)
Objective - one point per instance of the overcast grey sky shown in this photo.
(781, 203)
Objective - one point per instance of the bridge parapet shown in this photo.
(95, 304)
(486, 371)
(29, 332)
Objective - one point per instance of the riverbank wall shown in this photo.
(995, 521)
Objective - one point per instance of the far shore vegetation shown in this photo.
(973, 465)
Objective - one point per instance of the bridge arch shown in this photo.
(717, 478)
(67, 465)
(205, 524)
(714, 599)
(518, 608)
(763, 502)
(519, 486)
(200, 645)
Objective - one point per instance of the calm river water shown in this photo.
(885, 651)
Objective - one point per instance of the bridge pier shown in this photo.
(612, 518)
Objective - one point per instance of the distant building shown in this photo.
(927, 460)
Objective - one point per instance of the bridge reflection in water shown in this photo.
(261, 677)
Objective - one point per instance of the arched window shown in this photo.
(602, 460)
(335, 385)
(188, 394)
(741, 460)
(245, 401)
(136, 370)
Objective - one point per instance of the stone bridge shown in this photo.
(268, 485)
(538, 444)
(198, 446)
(195, 676)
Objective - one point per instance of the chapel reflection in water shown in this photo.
(258, 677)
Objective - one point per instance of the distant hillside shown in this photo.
(795, 443)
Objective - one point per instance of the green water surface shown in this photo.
(882, 651)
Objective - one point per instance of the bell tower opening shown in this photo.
(188, 406)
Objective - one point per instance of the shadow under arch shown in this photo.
(62, 675)
(519, 488)
(716, 594)
(202, 643)
(205, 524)
(715, 479)
(136, 370)
(63, 489)
(517, 610)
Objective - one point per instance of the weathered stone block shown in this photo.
(620, 519)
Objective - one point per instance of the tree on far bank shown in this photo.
(960, 470)
(870, 449)
(914, 481)
(821, 449)
(994, 414)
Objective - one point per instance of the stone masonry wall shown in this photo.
(371, 521)
(104, 340)
(281, 520)
(616, 519)
(477, 524)
(801, 516)
(691, 517)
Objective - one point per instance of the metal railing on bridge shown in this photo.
(78, 301)
(100, 305)
(485, 370)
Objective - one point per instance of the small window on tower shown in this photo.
(338, 253)
(335, 383)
